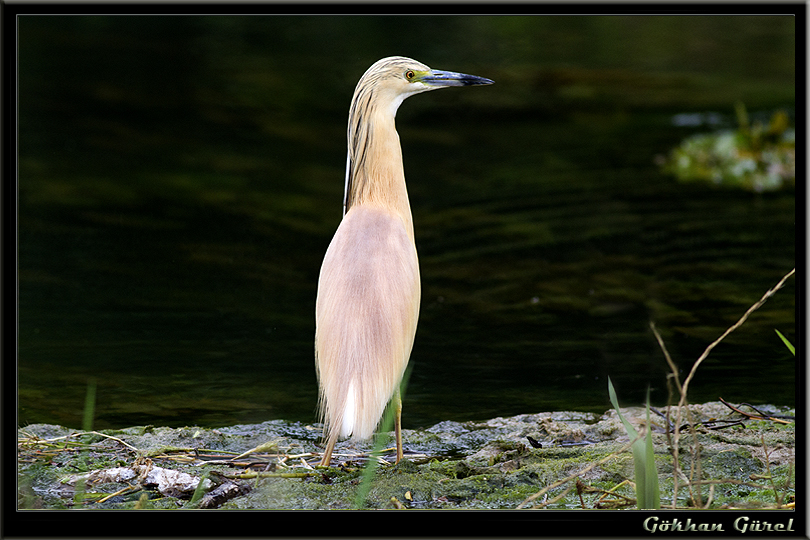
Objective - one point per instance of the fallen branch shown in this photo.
(247, 476)
(779, 419)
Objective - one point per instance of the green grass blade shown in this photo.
(371, 465)
(199, 491)
(647, 493)
(787, 343)
(631, 431)
(87, 425)
(653, 492)
(386, 425)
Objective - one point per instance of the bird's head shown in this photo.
(392, 79)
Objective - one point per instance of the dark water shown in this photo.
(180, 179)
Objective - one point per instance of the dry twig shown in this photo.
(683, 389)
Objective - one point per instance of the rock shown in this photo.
(490, 464)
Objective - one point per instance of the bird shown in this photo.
(369, 289)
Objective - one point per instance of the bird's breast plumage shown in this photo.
(366, 313)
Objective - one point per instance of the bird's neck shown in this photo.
(378, 176)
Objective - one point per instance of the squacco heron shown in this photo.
(369, 290)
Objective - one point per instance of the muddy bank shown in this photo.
(734, 462)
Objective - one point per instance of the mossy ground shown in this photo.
(483, 465)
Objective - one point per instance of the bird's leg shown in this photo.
(398, 423)
(327, 453)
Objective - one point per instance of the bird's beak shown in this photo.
(439, 79)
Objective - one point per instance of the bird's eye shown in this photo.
(409, 74)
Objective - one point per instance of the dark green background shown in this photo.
(180, 178)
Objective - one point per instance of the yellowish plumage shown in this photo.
(369, 291)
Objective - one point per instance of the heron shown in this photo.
(369, 288)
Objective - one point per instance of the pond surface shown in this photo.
(180, 179)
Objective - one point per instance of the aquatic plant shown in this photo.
(755, 156)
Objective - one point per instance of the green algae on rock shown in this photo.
(462, 465)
